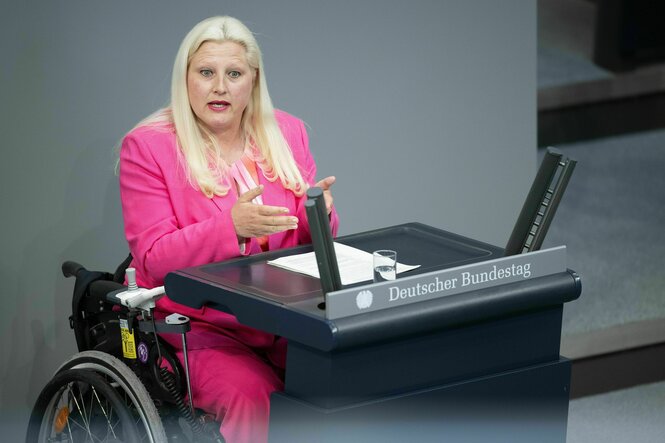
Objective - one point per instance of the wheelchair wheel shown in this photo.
(80, 405)
(129, 386)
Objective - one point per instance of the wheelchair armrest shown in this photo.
(139, 298)
(101, 290)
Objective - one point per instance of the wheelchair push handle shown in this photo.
(71, 268)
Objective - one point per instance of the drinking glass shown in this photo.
(385, 265)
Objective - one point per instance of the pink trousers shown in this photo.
(233, 382)
(233, 370)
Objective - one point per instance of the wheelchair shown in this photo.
(125, 384)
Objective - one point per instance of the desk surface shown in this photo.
(415, 243)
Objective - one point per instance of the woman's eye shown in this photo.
(206, 72)
(234, 74)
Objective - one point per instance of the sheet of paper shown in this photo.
(354, 265)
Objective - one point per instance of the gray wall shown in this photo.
(424, 110)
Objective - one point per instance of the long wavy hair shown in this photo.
(206, 169)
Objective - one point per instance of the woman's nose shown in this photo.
(220, 87)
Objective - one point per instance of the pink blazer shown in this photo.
(170, 225)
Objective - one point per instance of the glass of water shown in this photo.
(385, 265)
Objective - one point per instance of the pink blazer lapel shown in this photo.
(225, 203)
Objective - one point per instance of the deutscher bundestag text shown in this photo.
(464, 279)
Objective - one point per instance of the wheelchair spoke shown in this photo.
(80, 407)
(87, 405)
(95, 398)
(135, 413)
(69, 430)
(106, 416)
(92, 417)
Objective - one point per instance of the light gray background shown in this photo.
(424, 110)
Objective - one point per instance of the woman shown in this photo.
(216, 175)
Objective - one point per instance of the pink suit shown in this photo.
(170, 225)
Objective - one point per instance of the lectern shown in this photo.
(418, 360)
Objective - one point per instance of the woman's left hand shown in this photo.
(325, 184)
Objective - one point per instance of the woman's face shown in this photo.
(219, 85)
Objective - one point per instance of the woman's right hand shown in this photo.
(252, 220)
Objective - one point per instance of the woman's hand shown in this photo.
(252, 220)
(325, 184)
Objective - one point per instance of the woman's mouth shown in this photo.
(218, 105)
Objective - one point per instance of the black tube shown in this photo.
(322, 259)
(316, 194)
(168, 380)
(541, 195)
(557, 193)
(322, 242)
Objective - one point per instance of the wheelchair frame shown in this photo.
(128, 392)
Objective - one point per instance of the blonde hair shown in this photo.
(206, 169)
